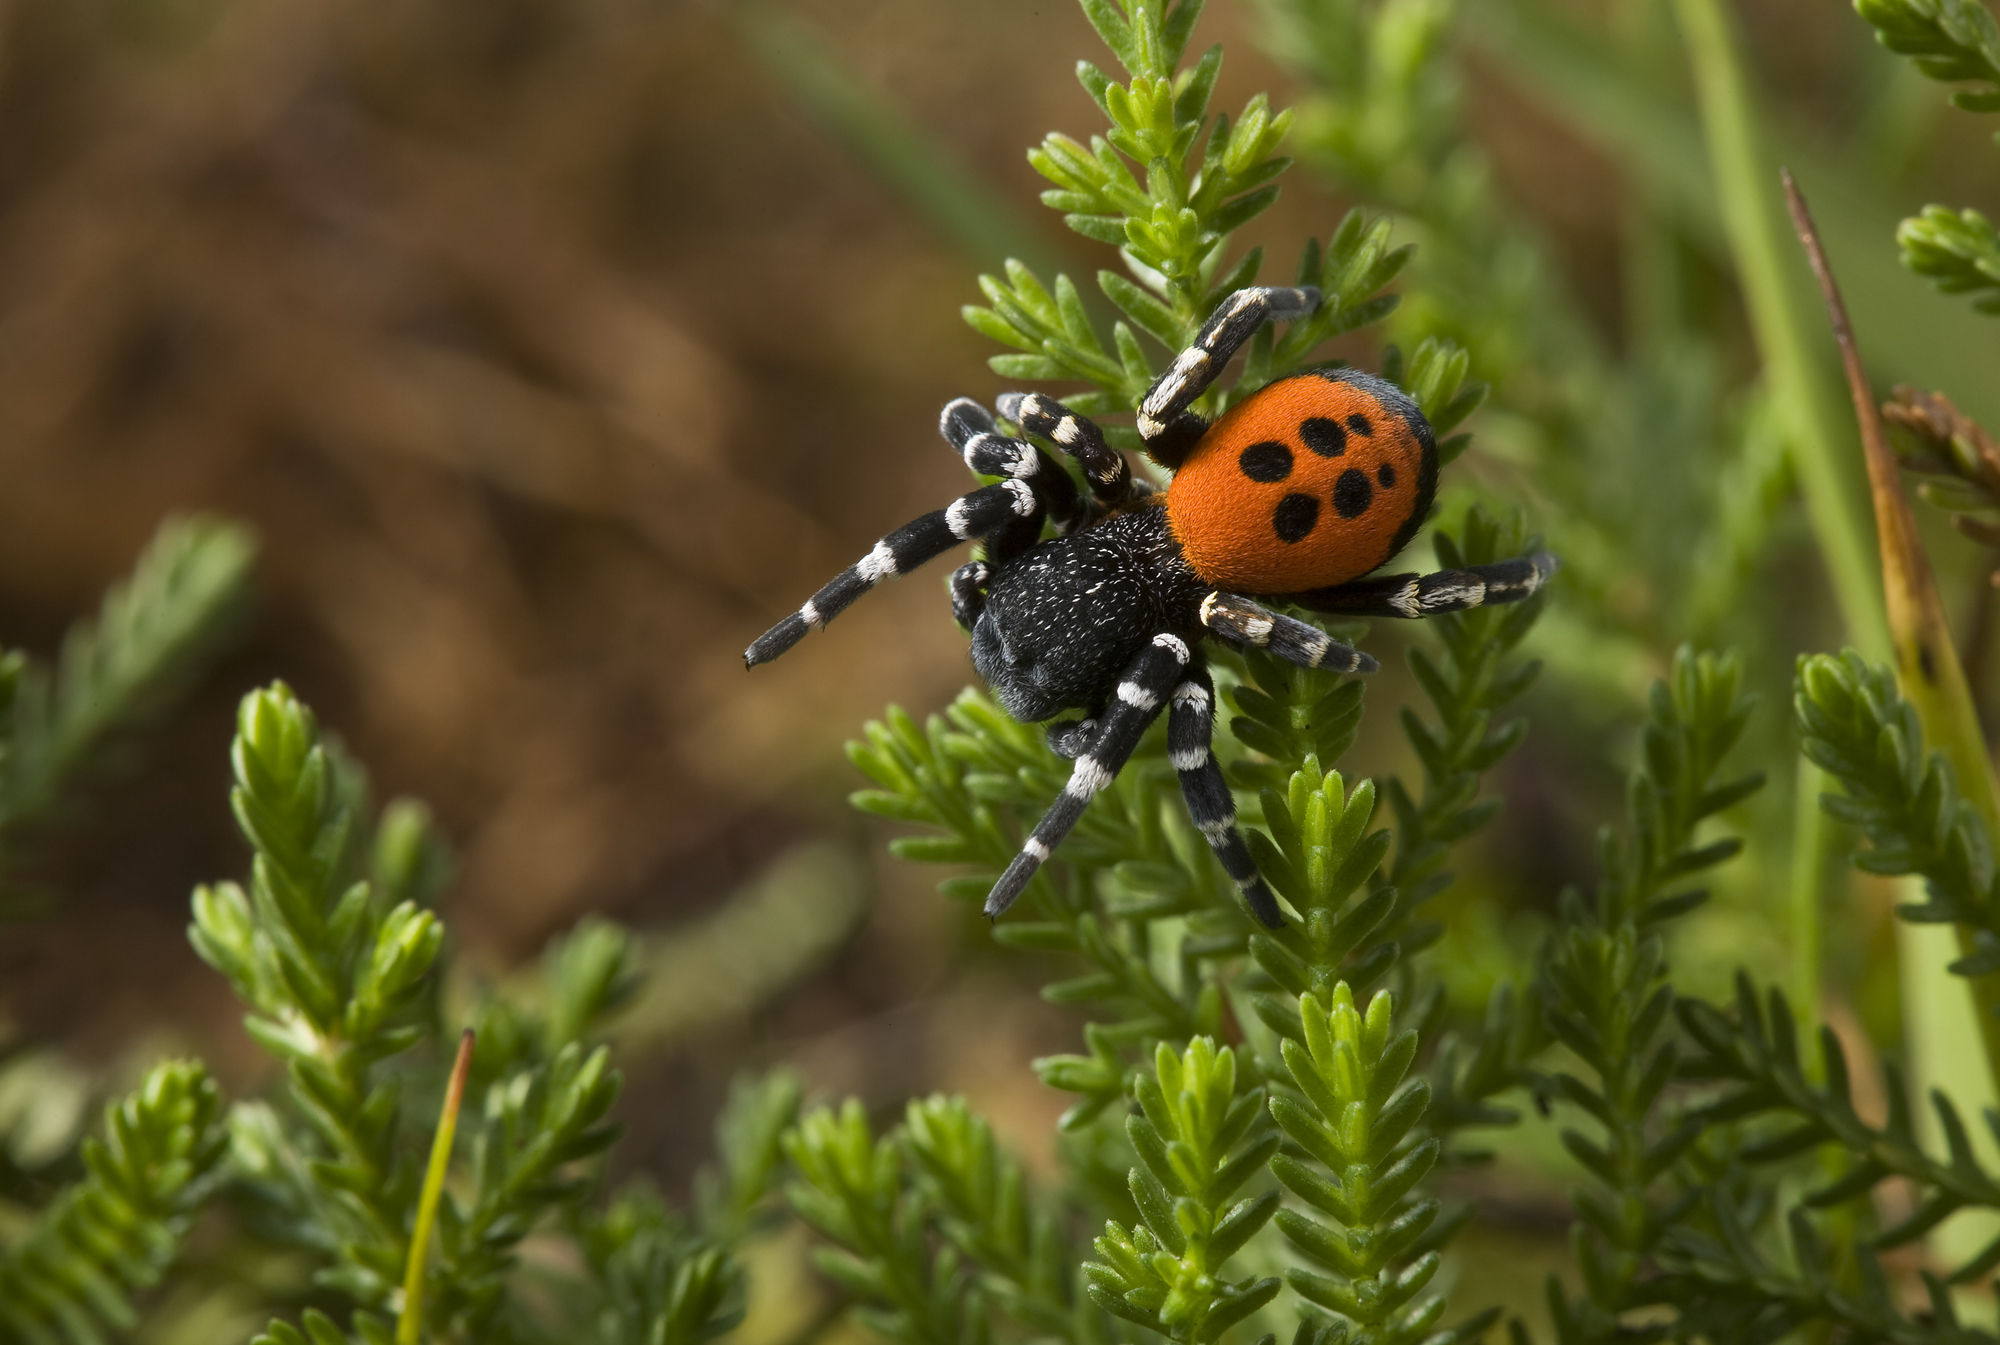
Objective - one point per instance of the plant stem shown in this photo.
(1927, 666)
(410, 1325)
(1808, 887)
(1755, 238)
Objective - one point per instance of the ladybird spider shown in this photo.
(1297, 492)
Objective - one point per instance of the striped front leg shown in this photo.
(1211, 807)
(983, 511)
(1155, 671)
(1234, 321)
(969, 428)
(1238, 619)
(1110, 476)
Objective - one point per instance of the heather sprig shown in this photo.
(112, 1235)
(1200, 1133)
(155, 630)
(1608, 994)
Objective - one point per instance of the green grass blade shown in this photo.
(1769, 272)
(1924, 338)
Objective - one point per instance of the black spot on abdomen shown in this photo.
(1324, 437)
(1295, 516)
(1351, 494)
(1386, 475)
(1359, 424)
(1268, 461)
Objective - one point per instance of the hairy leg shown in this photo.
(984, 511)
(1420, 595)
(1110, 476)
(1244, 622)
(1234, 321)
(1152, 674)
(1211, 807)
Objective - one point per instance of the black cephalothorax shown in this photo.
(1106, 617)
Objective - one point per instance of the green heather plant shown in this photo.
(182, 601)
(1952, 42)
(1260, 1119)
(1694, 1214)
(339, 959)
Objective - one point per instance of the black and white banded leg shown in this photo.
(1110, 476)
(986, 510)
(1190, 734)
(1156, 670)
(968, 427)
(1235, 321)
(1421, 595)
(1244, 622)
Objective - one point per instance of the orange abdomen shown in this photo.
(1313, 480)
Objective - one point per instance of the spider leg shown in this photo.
(1421, 595)
(1148, 678)
(986, 510)
(1069, 738)
(968, 427)
(1110, 476)
(968, 592)
(1233, 323)
(1237, 618)
(1211, 807)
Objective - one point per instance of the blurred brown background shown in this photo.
(553, 353)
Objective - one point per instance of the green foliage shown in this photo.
(661, 1284)
(1729, 1271)
(1174, 213)
(1607, 993)
(320, 1329)
(1318, 852)
(333, 949)
(735, 1196)
(1858, 728)
(1386, 97)
(1317, 849)
(113, 1234)
(1290, 715)
(1354, 1120)
(330, 975)
(1056, 328)
(541, 1120)
(1467, 689)
(1952, 41)
(1732, 1210)
(155, 631)
(1757, 1050)
(1200, 1135)
(1644, 457)
(1959, 251)
(851, 1188)
(1166, 185)
(978, 1198)
(1133, 860)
